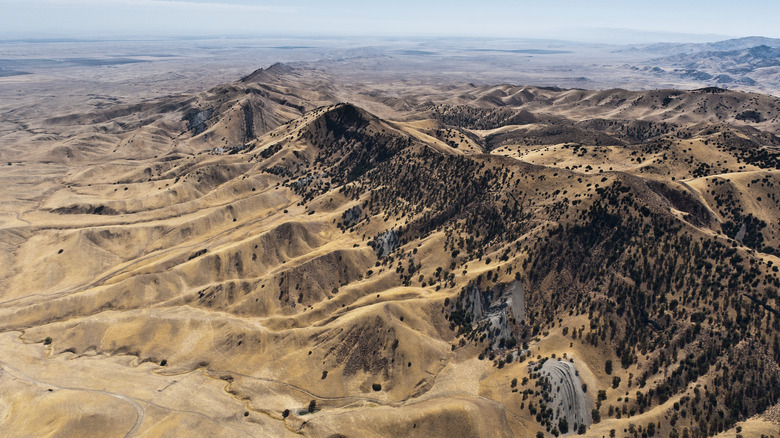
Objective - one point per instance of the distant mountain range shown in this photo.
(719, 46)
(739, 61)
(749, 61)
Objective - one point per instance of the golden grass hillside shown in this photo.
(263, 259)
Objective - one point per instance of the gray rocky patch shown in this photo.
(196, 120)
(492, 310)
(303, 182)
(386, 243)
(351, 216)
(564, 394)
(741, 233)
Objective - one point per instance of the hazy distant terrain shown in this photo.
(69, 75)
(389, 238)
(124, 69)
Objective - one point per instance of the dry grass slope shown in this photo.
(263, 259)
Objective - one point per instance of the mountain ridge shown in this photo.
(327, 270)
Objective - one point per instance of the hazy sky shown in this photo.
(519, 18)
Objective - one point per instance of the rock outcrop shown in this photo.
(386, 243)
(351, 216)
(493, 310)
(564, 394)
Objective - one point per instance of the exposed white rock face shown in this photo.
(515, 299)
(386, 243)
(491, 310)
(564, 394)
(474, 302)
(741, 233)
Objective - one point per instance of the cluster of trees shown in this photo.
(465, 116)
(671, 304)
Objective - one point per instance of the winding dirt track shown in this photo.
(137, 406)
(140, 411)
(699, 196)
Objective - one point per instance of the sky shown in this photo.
(587, 20)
